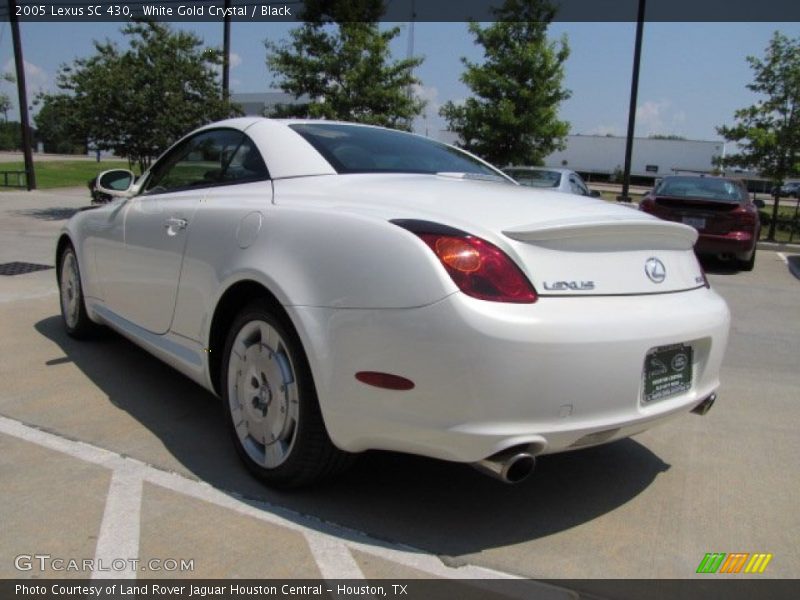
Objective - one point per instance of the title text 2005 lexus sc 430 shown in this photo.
(345, 287)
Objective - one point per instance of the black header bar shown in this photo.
(28, 11)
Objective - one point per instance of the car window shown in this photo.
(246, 164)
(360, 149)
(196, 162)
(703, 188)
(536, 178)
(578, 185)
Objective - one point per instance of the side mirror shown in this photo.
(595, 194)
(117, 182)
(759, 203)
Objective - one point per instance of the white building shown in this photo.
(651, 158)
(260, 103)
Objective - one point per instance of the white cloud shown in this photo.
(659, 117)
(429, 119)
(36, 78)
(427, 92)
(649, 117)
(235, 61)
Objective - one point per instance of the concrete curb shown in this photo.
(779, 246)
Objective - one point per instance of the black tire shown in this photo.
(71, 300)
(310, 455)
(748, 264)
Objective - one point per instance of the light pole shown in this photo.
(30, 175)
(637, 55)
(226, 52)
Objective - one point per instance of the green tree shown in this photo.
(136, 102)
(512, 116)
(5, 105)
(10, 135)
(768, 132)
(56, 125)
(340, 60)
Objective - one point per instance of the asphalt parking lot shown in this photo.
(106, 453)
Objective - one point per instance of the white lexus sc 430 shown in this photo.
(344, 287)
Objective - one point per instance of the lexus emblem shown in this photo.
(655, 270)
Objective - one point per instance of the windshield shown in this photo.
(702, 188)
(531, 178)
(360, 149)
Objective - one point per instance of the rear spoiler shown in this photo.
(661, 234)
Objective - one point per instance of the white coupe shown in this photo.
(344, 287)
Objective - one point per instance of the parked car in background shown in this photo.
(790, 189)
(719, 208)
(557, 180)
(344, 288)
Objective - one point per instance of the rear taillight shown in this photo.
(480, 269)
(744, 217)
(647, 204)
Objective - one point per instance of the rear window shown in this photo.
(360, 149)
(702, 188)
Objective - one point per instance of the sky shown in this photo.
(693, 75)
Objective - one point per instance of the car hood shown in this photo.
(562, 241)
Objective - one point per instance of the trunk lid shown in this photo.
(566, 245)
(709, 216)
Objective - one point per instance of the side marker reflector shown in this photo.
(385, 380)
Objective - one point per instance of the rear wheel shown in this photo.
(73, 307)
(749, 263)
(271, 402)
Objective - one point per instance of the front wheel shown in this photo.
(73, 308)
(271, 403)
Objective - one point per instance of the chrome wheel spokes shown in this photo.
(70, 290)
(262, 394)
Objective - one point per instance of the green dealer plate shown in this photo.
(667, 372)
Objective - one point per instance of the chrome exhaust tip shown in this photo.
(705, 405)
(509, 466)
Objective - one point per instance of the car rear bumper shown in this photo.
(736, 242)
(559, 374)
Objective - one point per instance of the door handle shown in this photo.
(175, 223)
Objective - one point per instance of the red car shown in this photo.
(719, 208)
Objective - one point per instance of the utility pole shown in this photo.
(30, 176)
(410, 54)
(226, 52)
(637, 55)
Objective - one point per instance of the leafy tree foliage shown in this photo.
(56, 125)
(5, 105)
(512, 117)
(10, 135)
(768, 132)
(340, 60)
(5, 100)
(136, 102)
